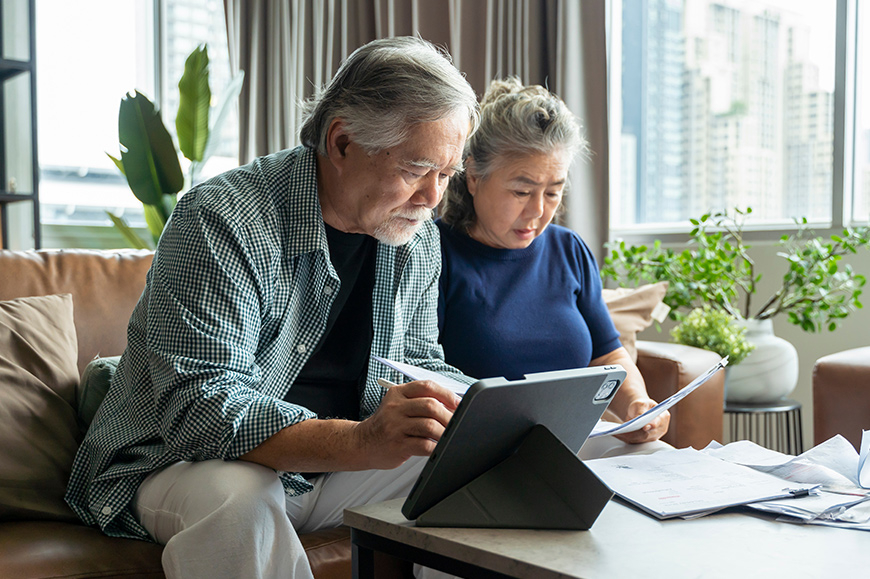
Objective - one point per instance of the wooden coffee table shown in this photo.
(623, 542)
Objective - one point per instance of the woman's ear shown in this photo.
(472, 181)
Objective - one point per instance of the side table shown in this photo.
(774, 425)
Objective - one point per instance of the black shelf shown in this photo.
(13, 197)
(11, 68)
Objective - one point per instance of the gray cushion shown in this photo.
(95, 383)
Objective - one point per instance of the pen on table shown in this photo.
(799, 492)
(383, 383)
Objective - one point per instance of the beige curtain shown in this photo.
(287, 48)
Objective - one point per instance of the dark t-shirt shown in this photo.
(333, 378)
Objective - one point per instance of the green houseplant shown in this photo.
(714, 330)
(149, 159)
(716, 274)
(816, 292)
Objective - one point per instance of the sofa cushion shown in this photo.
(38, 429)
(634, 309)
(42, 549)
(94, 385)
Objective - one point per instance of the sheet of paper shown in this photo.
(417, 373)
(820, 504)
(681, 482)
(833, 463)
(640, 421)
(863, 461)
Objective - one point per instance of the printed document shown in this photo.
(638, 422)
(685, 482)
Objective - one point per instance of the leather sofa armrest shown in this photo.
(666, 368)
(841, 395)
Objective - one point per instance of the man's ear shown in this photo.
(337, 140)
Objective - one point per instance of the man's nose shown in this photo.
(430, 191)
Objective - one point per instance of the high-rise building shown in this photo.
(725, 110)
(653, 63)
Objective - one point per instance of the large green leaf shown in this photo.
(118, 163)
(191, 124)
(147, 153)
(131, 236)
(155, 221)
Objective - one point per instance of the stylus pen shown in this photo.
(386, 383)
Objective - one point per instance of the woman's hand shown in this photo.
(652, 431)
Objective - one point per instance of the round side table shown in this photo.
(774, 425)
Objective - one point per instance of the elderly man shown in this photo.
(246, 406)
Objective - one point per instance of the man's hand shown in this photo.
(409, 422)
(652, 431)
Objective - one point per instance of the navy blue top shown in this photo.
(511, 312)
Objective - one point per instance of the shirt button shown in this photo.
(301, 348)
(106, 510)
(327, 290)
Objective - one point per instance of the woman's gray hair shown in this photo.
(383, 89)
(515, 121)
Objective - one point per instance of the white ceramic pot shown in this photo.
(768, 373)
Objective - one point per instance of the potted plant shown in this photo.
(816, 292)
(714, 330)
(149, 160)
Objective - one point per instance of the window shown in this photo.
(861, 201)
(89, 54)
(731, 103)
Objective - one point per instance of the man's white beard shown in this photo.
(395, 230)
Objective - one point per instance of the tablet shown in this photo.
(496, 415)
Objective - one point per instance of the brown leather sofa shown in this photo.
(105, 287)
(841, 395)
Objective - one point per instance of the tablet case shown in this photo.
(542, 486)
(508, 457)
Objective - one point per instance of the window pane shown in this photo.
(188, 23)
(726, 104)
(14, 29)
(90, 53)
(861, 208)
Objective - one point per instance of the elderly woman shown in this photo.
(518, 294)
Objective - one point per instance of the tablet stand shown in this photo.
(543, 485)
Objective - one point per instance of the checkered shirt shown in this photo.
(235, 302)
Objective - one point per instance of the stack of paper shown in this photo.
(687, 482)
(842, 499)
(822, 486)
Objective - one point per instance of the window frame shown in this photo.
(844, 146)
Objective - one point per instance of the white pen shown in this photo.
(383, 383)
